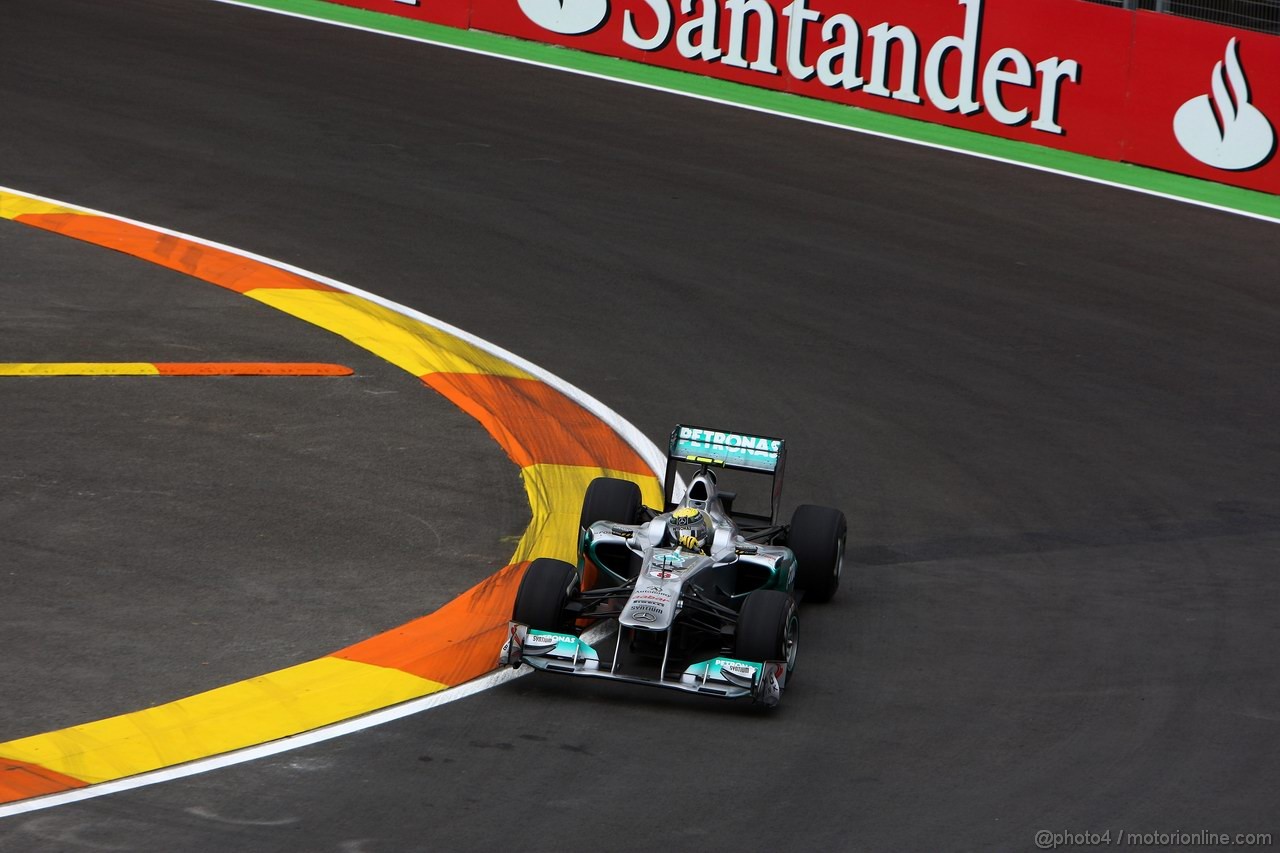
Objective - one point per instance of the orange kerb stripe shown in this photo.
(536, 424)
(203, 262)
(250, 368)
(20, 780)
(456, 643)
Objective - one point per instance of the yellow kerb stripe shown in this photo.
(403, 341)
(328, 690)
(255, 711)
(12, 206)
(555, 496)
(80, 368)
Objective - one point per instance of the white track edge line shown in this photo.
(995, 158)
(264, 750)
(285, 744)
(630, 433)
(648, 451)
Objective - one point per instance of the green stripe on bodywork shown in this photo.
(1140, 178)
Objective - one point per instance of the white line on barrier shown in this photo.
(247, 4)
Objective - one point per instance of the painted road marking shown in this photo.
(558, 436)
(14, 205)
(1126, 176)
(171, 368)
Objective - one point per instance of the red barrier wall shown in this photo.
(886, 55)
(1171, 93)
(1182, 73)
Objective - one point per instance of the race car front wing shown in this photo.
(728, 678)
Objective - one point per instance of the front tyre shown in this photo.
(543, 597)
(610, 499)
(817, 539)
(768, 628)
(618, 501)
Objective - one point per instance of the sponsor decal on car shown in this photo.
(541, 638)
(737, 667)
(729, 445)
(739, 673)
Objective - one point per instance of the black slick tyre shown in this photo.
(817, 538)
(768, 628)
(610, 499)
(544, 594)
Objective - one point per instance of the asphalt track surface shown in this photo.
(1047, 407)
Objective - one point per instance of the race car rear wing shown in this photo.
(737, 451)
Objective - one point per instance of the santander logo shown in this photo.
(1225, 130)
(567, 17)
(790, 38)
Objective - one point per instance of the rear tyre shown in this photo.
(768, 628)
(610, 499)
(817, 538)
(544, 595)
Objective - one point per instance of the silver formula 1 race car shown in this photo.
(703, 596)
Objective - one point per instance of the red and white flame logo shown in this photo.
(1224, 130)
(568, 17)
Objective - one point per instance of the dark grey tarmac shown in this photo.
(160, 536)
(1047, 407)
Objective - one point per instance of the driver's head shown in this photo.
(690, 529)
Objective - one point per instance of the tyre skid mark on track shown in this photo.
(559, 437)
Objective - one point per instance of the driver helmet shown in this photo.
(690, 528)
